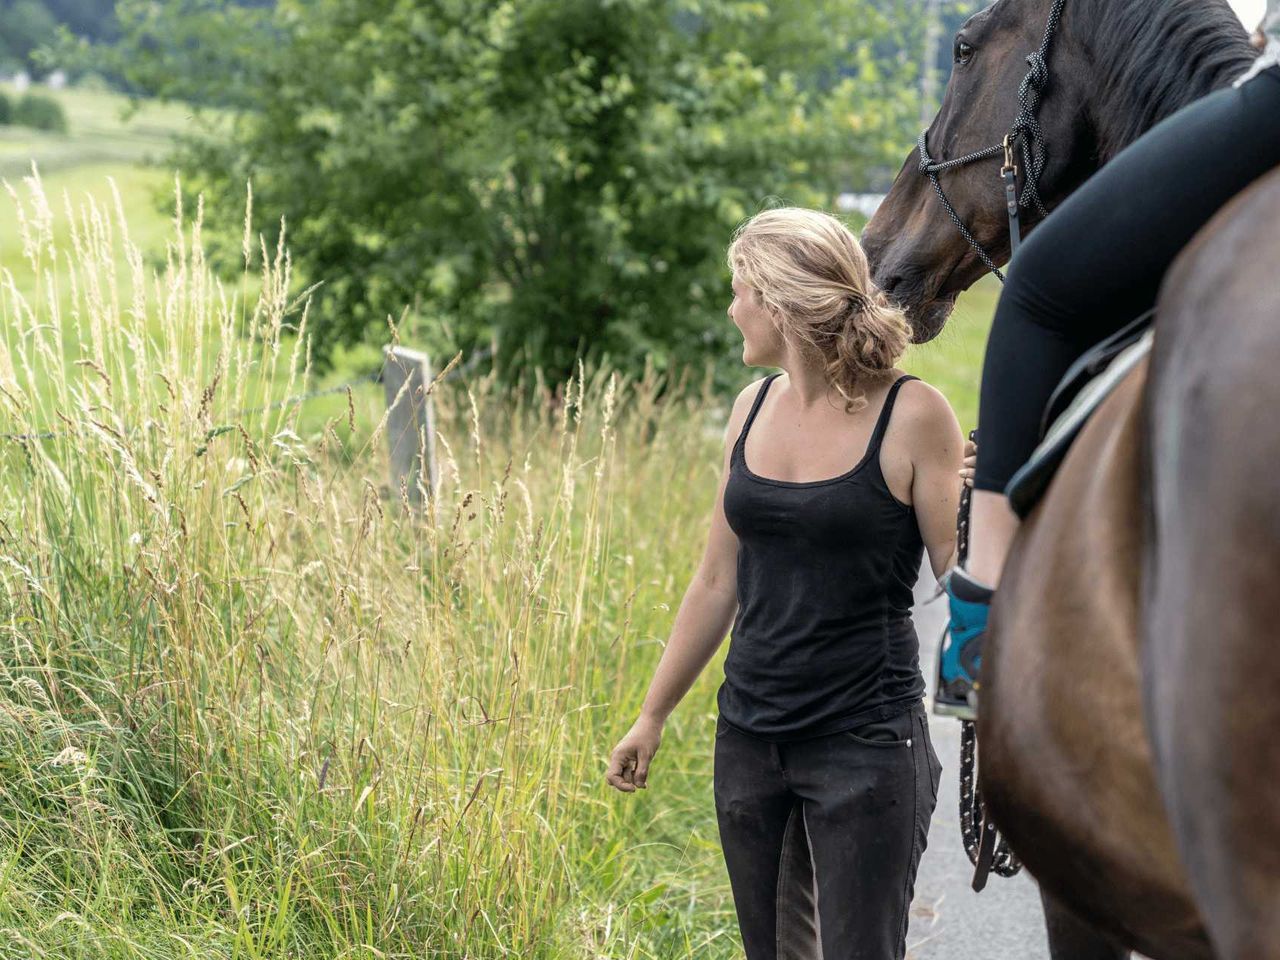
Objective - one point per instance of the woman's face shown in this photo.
(762, 343)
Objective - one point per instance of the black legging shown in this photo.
(1097, 261)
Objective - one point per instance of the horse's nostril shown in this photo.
(896, 289)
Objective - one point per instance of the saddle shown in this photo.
(1088, 382)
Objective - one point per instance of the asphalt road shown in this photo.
(948, 920)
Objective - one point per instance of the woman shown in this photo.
(1066, 291)
(837, 474)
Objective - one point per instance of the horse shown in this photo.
(1122, 756)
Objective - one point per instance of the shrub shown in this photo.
(41, 112)
(92, 80)
(6, 109)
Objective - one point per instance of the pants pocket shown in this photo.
(933, 764)
(893, 732)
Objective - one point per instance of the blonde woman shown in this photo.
(838, 473)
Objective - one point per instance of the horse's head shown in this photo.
(917, 253)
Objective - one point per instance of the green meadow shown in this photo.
(253, 703)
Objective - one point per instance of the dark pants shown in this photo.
(822, 836)
(1097, 261)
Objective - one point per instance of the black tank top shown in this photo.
(823, 640)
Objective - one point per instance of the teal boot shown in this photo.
(960, 656)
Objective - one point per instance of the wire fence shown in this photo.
(376, 377)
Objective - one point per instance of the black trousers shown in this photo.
(1097, 261)
(822, 836)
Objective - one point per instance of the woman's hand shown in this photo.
(629, 762)
(970, 462)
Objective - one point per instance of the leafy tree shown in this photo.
(24, 25)
(560, 177)
(29, 27)
(94, 19)
(203, 52)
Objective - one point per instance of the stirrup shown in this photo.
(960, 659)
(962, 711)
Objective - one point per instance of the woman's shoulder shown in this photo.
(919, 396)
(747, 395)
(923, 413)
(742, 407)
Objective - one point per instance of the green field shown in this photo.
(97, 134)
(253, 706)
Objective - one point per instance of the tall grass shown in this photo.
(253, 704)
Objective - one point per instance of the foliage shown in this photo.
(27, 25)
(253, 705)
(206, 52)
(6, 109)
(557, 177)
(40, 112)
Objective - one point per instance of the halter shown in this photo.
(1026, 131)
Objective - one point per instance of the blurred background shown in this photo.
(539, 181)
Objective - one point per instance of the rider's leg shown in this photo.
(1097, 261)
(996, 523)
(1089, 268)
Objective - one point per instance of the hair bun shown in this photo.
(856, 301)
(816, 282)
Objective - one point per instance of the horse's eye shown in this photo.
(963, 52)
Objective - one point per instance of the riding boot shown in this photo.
(960, 655)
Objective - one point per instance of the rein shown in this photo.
(1026, 131)
(977, 830)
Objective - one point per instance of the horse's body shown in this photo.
(1068, 773)
(1168, 620)
(1128, 730)
(1212, 564)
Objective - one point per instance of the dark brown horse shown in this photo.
(1143, 798)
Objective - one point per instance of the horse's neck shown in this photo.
(1152, 57)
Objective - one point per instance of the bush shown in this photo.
(92, 80)
(6, 110)
(41, 112)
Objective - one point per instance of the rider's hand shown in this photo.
(629, 762)
(970, 462)
(1259, 39)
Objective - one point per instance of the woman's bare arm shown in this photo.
(706, 613)
(711, 600)
(937, 455)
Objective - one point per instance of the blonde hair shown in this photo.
(810, 271)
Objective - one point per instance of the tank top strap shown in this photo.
(755, 408)
(882, 422)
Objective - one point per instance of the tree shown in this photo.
(559, 176)
(26, 25)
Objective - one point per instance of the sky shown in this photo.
(1249, 11)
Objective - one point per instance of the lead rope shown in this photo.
(976, 828)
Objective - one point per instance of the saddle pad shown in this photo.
(1027, 485)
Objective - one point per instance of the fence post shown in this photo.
(410, 422)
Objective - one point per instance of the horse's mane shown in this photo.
(1154, 56)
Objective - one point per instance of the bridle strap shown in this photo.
(1026, 130)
